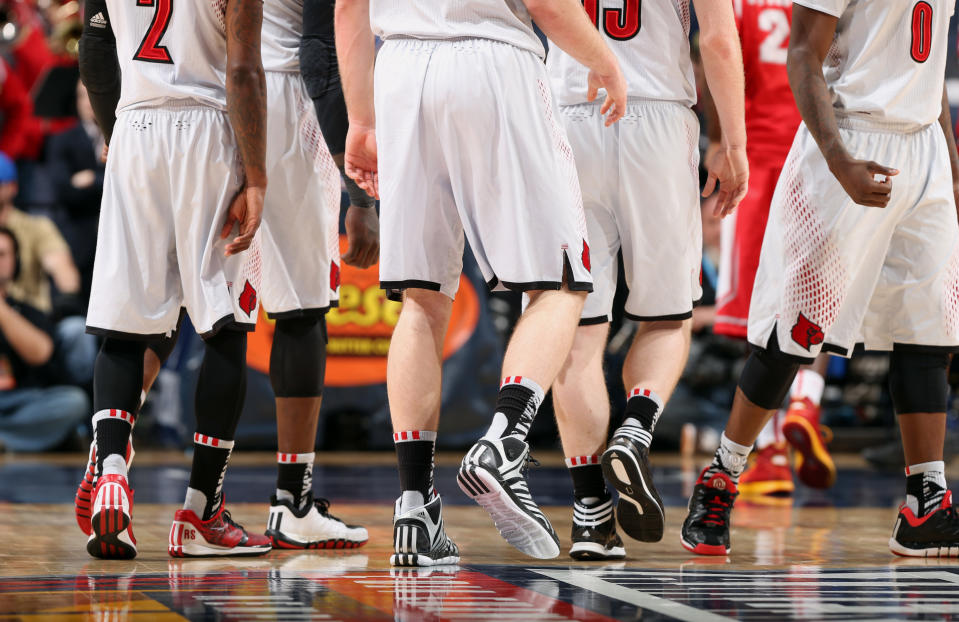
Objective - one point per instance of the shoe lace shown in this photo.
(227, 518)
(323, 507)
(717, 510)
(530, 460)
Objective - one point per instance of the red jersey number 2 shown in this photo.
(150, 49)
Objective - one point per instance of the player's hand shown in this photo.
(730, 169)
(245, 211)
(360, 161)
(363, 233)
(106, 152)
(867, 183)
(613, 80)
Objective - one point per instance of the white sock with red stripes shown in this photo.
(807, 384)
(294, 478)
(516, 406)
(210, 458)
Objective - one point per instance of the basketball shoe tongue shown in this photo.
(719, 481)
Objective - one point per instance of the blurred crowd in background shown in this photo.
(51, 180)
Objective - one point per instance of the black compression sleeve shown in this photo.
(321, 73)
(99, 66)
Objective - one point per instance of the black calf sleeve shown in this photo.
(221, 385)
(917, 381)
(298, 358)
(767, 376)
(118, 375)
(163, 347)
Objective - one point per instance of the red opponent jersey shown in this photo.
(771, 113)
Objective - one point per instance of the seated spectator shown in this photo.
(34, 416)
(73, 160)
(44, 255)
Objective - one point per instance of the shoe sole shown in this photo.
(282, 541)
(705, 549)
(639, 513)
(513, 523)
(201, 548)
(766, 488)
(591, 551)
(108, 524)
(936, 551)
(817, 469)
(404, 560)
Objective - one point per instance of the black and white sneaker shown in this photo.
(594, 531)
(493, 474)
(934, 535)
(626, 468)
(418, 535)
(310, 526)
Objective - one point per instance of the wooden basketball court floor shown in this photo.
(818, 556)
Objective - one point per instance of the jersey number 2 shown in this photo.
(150, 49)
(620, 24)
(921, 31)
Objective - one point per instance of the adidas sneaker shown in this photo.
(594, 531)
(418, 535)
(310, 526)
(626, 468)
(493, 474)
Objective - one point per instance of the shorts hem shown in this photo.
(228, 322)
(659, 318)
(121, 334)
(310, 312)
(394, 289)
(593, 321)
(533, 286)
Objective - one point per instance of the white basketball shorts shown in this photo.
(640, 183)
(299, 237)
(469, 143)
(170, 177)
(834, 274)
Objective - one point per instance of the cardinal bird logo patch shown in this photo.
(248, 299)
(586, 263)
(334, 276)
(807, 334)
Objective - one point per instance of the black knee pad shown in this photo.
(298, 358)
(118, 375)
(221, 384)
(767, 375)
(917, 381)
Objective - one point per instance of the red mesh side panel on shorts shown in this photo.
(562, 147)
(219, 10)
(311, 138)
(950, 295)
(815, 279)
(682, 8)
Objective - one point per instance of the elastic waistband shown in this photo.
(174, 106)
(867, 124)
(460, 43)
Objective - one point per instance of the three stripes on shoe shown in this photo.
(512, 478)
(592, 516)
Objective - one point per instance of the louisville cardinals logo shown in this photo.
(248, 299)
(586, 263)
(334, 275)
(807, 334)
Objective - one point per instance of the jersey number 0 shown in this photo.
(150, 49)
(620, 24)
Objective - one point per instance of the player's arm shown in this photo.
(722, 57)
(809, 42)
(356, 51)
(99, 66)
(566, 24)
(945, 122)
(321, 74)
(246, 106)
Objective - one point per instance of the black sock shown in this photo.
(117, 384)
(587, 476)
(516, 406)
(294, 474)
(210, 458)
(414, 457)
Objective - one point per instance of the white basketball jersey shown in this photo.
(170, 52)
(282, 32)
(651, 41)
(888, 58)
(499, 20)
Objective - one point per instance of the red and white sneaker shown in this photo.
(84, 498)
(219, 536)
(801, 427)
(111, 520)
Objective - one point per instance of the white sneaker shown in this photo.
(310, 526)
(418, 535)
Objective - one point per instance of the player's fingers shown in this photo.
(881, 188)
(607, 104)
(592, 91)
(875, 167)
(710, 186)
